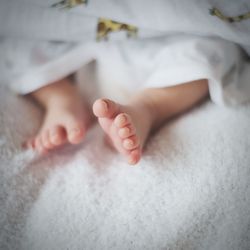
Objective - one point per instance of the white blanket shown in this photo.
(190, 191)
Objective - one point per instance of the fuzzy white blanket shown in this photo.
(190, 191)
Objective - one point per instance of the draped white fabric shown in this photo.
(176, 42)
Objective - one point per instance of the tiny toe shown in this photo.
(39, 146)
(29, 144)
(75, 133)
(126, 132)
(134, 157)
(105, 108)
(122, 120)
(56, 135)
(37, 142)
(46, 140)
(131, 143)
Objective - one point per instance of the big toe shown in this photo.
(57, 135)
(105, 108)
(75, 132)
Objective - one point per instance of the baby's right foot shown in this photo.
(66, 121)
(61, 125)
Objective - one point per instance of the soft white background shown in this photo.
(190, 191)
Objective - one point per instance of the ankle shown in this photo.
(59, 93)
(148, 100)
(145, 105)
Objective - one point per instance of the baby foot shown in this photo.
(64, 121)
(126, 126)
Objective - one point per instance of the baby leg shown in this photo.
(66, 119)
(128, 126)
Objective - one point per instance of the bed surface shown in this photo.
(190, 191)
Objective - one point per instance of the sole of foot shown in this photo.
(126, 126)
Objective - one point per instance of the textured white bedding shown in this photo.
(190, 191)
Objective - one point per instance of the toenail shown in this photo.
(127, 130)
(104, 105)
(121, 120)
(124, 132)
(55, 137)
(129, 142)
(132, 160)
(74, 132)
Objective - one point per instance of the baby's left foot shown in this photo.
(126, 126)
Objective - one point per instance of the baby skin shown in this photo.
(127, 126)
(66, 119)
